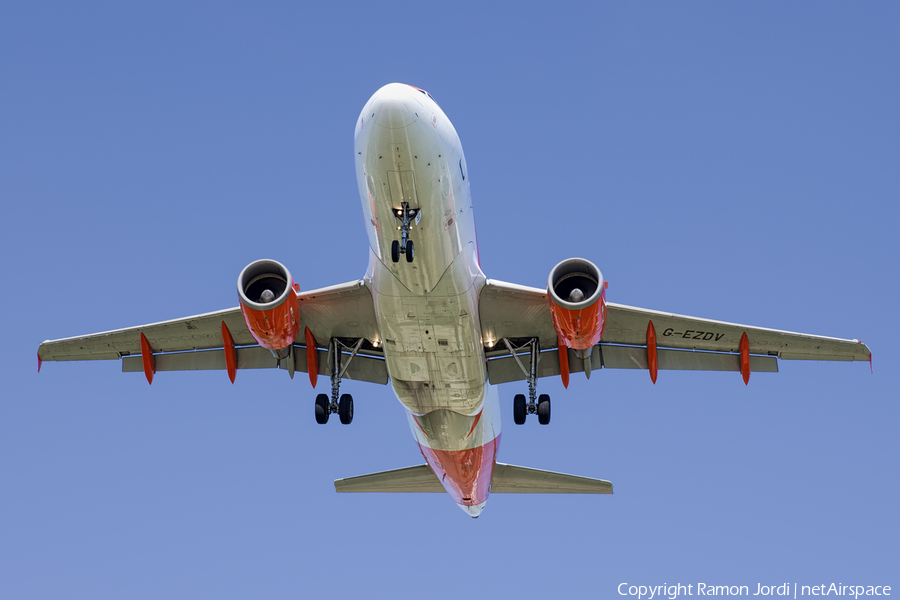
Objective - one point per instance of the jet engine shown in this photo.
(269, 305)
(577, 303)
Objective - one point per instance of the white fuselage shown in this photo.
(408, 151)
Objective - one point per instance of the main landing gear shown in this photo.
(342, 404)
(406, 216)
(534, 404)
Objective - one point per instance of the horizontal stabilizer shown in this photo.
(507, 479)
(510, 479)
(419, 479)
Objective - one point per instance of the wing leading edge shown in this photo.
(196, 342)
(686, 343)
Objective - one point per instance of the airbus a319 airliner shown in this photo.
(426, 319)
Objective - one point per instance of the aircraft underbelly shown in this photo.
(427, 308)
(432, 343)
(409, 158)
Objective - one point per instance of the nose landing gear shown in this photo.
(407, 216)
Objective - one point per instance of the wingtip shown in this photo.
(871, 368)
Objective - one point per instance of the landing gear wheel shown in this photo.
(519, 411)
(543, 409)
(410, 253)
(345, 409)
(395, 251)
(323, 409)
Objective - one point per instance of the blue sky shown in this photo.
(737, 161)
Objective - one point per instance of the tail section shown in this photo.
(419, 479)
(510, 479)
(507, 479)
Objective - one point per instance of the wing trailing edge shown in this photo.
(504, 369)
(362, 368)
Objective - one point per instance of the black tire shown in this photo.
(543, 409)
(345, 409)
(323, 409)
(519, 412)
(410, 253)
(395, 251)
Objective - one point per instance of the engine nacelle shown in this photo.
(269, 305)
(577, 302)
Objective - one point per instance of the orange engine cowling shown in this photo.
(269, 304)
(577, 302)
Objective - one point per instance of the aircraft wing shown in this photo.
(196, 342)
(686, 343)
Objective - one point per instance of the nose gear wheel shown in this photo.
(406, 217)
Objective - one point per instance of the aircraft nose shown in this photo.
(396, 106)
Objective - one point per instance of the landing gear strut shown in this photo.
(406, 216)
(539, 405)
(343, 407)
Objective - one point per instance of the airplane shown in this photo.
(426, 319)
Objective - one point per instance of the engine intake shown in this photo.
(577, 302)
(269, 305)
